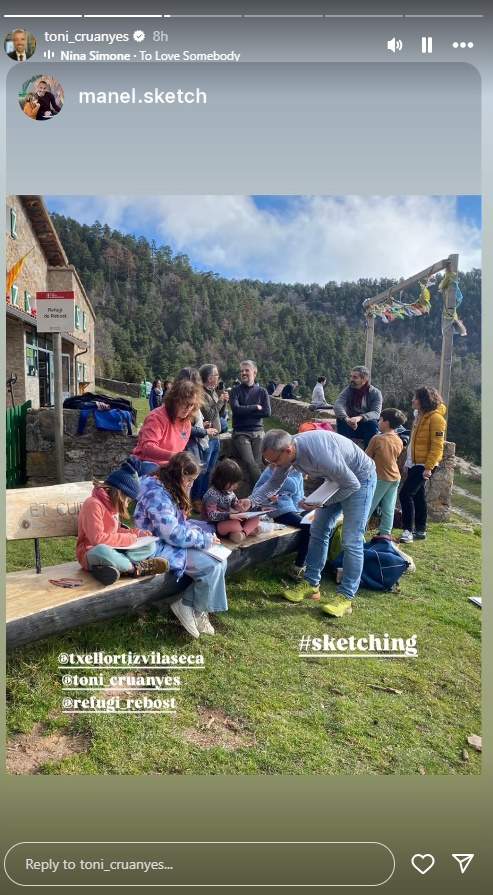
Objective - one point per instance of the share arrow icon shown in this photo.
(463, 861)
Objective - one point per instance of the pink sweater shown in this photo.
(160, 438)
(99, 524)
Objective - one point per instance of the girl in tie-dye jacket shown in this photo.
(165, 504)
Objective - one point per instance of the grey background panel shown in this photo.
(304, 128)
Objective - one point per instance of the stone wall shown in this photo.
(91, 455)
(26, 387)
(130, 389)
(66, 279)
(440, 487)
(95, 453)
(293, 413)
(33, 276)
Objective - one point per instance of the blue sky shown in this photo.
(296, 238)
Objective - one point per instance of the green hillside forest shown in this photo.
(156, 314)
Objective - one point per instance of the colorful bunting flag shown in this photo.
(392, 310)
(397, 310)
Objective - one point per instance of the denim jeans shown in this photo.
(201, 483)
(365, 430)
(207, 593)
(385, 497)
(123, 560)
(356, 509)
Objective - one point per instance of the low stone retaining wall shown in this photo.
(130, 389)
(95, 453)
(293, 413)
(91, 455)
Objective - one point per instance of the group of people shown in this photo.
(175, 469)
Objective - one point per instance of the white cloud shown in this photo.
(311, 239)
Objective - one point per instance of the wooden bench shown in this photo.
(36, 608)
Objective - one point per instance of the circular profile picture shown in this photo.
(41, 97)
(19, 45)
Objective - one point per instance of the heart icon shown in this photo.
(422, 863)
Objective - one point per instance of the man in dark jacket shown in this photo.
(46, 100)
(289, 391)
(250, 403)
(19, 39)
(358, 407)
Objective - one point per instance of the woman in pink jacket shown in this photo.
(166, 430)
(104, 546)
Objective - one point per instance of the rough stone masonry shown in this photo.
(95, 453)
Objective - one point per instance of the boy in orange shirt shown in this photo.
(384, 449)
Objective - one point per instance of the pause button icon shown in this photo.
(427, 45)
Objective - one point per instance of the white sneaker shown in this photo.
(406, 537)
(203, 624)
(186, 617)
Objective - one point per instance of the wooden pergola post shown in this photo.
(449, 305)
(59, 443)
(449, 308)
(370, 335)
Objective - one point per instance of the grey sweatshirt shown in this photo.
(371, 405)
(325, 455)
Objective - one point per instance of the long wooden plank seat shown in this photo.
(36, 608)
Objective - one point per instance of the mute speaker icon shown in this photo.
(394, 45)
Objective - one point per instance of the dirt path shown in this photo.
(464, 493)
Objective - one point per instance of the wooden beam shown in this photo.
(404, 284)
(449, 308)
(66, 612)
(370, 336)
(59, 443)
(36, 608)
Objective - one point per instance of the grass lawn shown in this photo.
(256, 707)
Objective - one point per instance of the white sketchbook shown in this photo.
(251, 514)
(146, 541)
(218, 551)
(324, 493)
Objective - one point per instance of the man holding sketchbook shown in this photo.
(350, 480)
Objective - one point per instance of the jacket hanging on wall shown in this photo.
(89, 399)
(112, 420)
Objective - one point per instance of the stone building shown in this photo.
(29, 354)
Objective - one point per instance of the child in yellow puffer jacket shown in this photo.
(425, 451)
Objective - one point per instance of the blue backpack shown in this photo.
(383, 564)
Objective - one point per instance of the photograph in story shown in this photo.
(245, 444)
